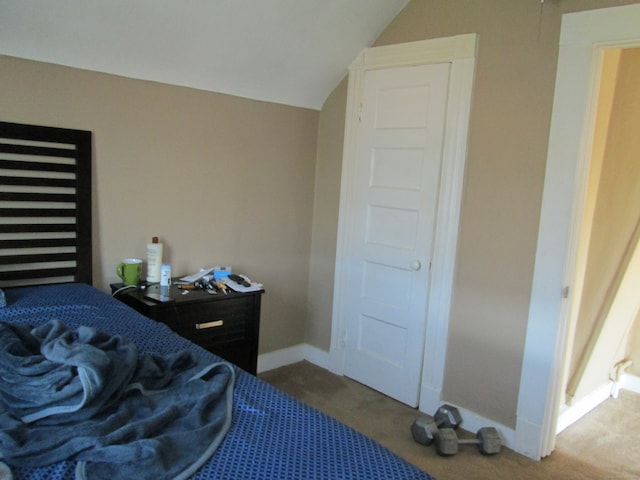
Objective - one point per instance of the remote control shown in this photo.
(238, 279)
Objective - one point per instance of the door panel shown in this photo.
(400, 140)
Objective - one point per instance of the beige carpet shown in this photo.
(603, 445)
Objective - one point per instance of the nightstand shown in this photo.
(227, 325)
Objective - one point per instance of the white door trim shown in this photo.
(460, 51)
(582, 38)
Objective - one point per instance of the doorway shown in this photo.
(604, 302)
(583, 38)
(458, 53)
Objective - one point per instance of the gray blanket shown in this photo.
(87, 396)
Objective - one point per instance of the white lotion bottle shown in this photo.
(154, 260)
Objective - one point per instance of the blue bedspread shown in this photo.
(272, 435)
(87, 396)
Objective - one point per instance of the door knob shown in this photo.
(416, 265)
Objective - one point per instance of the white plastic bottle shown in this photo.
(165, 278)
(154, 260)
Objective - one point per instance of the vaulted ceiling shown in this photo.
(292, 52)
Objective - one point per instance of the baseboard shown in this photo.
(289, 355)
(571, 414)
(429, 399)
(527, 441)
(630, 382)
(316, 356)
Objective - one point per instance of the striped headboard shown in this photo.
(45, 205)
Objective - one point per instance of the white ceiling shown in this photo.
(285, 51)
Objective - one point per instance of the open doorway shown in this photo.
(583, 38)
(604, 302)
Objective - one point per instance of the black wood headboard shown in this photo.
(45, 205)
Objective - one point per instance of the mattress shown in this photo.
(272, 435)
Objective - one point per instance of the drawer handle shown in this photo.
(202, 326)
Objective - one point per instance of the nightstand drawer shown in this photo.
(213, 323)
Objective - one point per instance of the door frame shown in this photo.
(583, 37)
(460, 51)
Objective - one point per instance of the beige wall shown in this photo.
(221, 180)
(510, 117)
(325, 217)
(633, 348)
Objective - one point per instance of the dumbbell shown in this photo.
(423, 429)
(487, 439)
(447, 416)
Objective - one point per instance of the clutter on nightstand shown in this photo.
(220, 278)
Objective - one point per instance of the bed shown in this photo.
(270, 434)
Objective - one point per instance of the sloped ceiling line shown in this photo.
(292, 52)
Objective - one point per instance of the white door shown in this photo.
(397, 172)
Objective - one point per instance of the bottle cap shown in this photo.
(154, 240)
